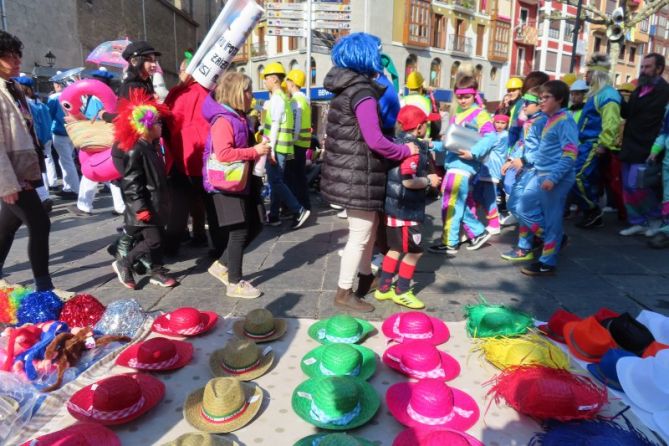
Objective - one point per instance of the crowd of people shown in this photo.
(551, 150)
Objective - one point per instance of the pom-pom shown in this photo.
(83, 310)
(39, 306)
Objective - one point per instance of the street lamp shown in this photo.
(50, 58)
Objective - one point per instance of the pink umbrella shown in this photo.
(109, 53)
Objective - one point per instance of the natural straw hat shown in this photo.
(201, 439)
(241, 359)
(260, 325)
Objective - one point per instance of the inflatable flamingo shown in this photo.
(95, 137)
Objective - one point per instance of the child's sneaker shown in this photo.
(124, 275)
(443, 249)
(494, 230)
(508, 220)
(385, 295)
(243, 290)
(161, 278)
(479, 241)
(518, 255)
(538, 269)
(219, 271)
(408, 299)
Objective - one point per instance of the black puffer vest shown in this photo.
(353, 176)
(403, 203)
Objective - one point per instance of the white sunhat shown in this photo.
(579, 85)
(657, 323)
(645, 381)
(661, 421)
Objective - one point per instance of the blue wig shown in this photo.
(359, 52)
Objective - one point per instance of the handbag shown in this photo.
(649, 176)
(227, 177)
(458, 138)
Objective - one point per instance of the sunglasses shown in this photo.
(530, 103)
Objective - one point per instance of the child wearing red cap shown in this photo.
(405, 209)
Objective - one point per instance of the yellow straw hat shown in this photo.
(223, 405)
(241, 359)
(201, 439)
(260, 325)
(526, 350)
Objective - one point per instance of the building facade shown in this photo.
(658, 36)
(433, 37)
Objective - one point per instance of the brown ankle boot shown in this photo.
(346, 299)
(366, 284)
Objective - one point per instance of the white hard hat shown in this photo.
(579, 85)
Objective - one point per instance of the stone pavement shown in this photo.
(297, 270)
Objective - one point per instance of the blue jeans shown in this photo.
(296, 177)
(280, 192)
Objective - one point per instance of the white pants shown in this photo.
(65, 149)
(89, 188)
(357, 255)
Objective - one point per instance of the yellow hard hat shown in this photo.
(569, 78)
(627, 86)
(297, 76)
(515, 83)
(273, 68)
(414, 80)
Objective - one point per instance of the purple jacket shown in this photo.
(211, 111)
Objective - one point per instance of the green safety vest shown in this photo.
(420, 101)
(304, 140)
(284, 141)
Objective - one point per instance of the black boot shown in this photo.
(366, 284)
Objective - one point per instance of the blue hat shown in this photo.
(579, 85)
(25, 80)
(103, 74)
(605, 371)
(591, 433)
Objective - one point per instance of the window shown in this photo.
(435, 73)
(480, 33)
(628, 78)
(439, 31)
(621, 56)
(417, 27)
(551, 61)
(261, 68)
(292, 43)
(520, 61)
(598, 44)
(493, 73)
(554, 29)
(479, 75)
(279, 44)
(294, 64)
(617, 79)
(411, 64)
(524, 15)
(632, 54)
(565, 63)
(454, 72)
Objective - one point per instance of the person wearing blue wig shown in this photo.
(354, 168)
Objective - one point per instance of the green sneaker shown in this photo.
(518, 255)
(380, 295)
(409, 300)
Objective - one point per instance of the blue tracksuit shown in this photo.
(540, 211)
(57, 115)
(42, 120)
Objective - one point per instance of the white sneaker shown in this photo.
(493, 230)
(342, 214)
(243, 290)
(63, 294)
(4, 284)
(509, 220)
(336, 206)
(218, 270)
(653, 228)
(633, 230)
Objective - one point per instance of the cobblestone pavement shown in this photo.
(297, 270)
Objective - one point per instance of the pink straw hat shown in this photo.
(117, 399)
(185, 321)
(80, 434)
(431, 403)
(413, 325)
(156, 354)
(421, 359)
(441, 437)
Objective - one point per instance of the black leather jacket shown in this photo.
(144, 182)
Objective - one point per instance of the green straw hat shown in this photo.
(336, 402)
(340, 329)
(337, 439)
(339, 360)
(486, 321)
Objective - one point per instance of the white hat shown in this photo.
(579, 85)
(661, 421)
(657, 324)
(645, 380)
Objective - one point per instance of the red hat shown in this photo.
(587, 339)
(555, 327)
(605, 313)
(431, 403)
(549, 394)
(412, 325)
(185, 321)
(420, 359)
(83, 310)
(80, 434)
(117, 399)
(156, 354)
(411, 117)
(441, 437)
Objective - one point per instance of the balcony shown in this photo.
(460, 44)
(526, 33)
(258, 50)
(242, 55)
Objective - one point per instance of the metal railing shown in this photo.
(526, 33)
(259, 50)
(460, 44)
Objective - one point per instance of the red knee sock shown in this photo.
(406, 274)
(387, 273)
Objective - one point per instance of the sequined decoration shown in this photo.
(122, 317)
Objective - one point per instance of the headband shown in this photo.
(500, 118)
(530, 97)
(601, 68)
(460, 91)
